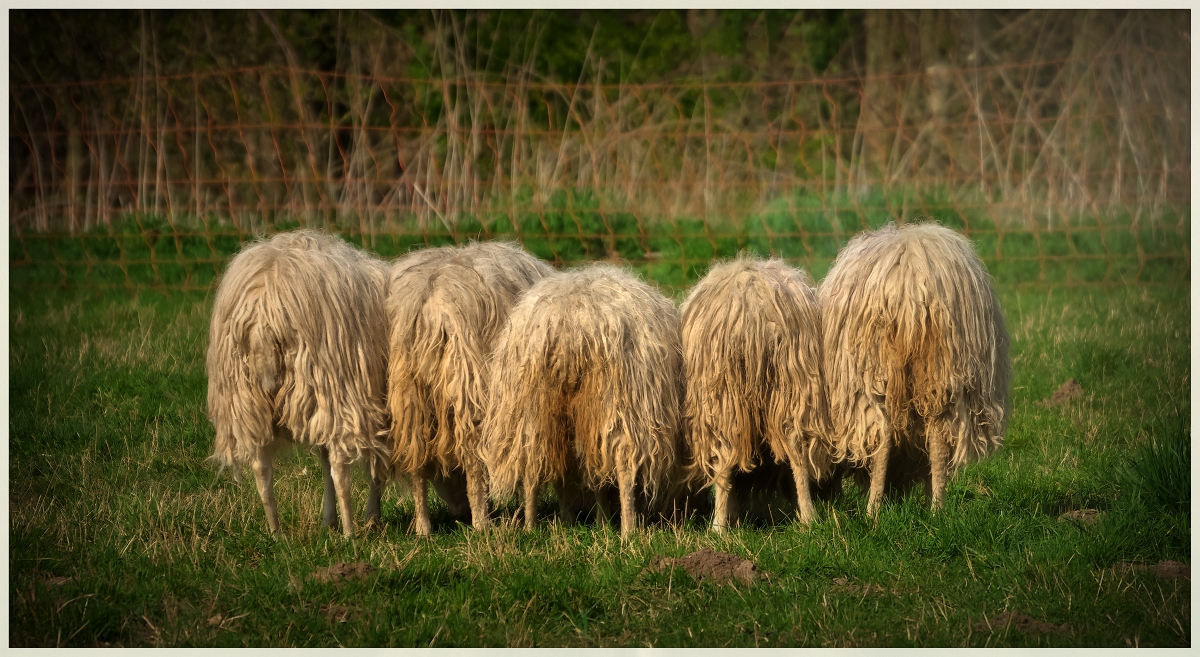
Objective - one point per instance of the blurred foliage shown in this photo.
(559, 45)
(489, 102)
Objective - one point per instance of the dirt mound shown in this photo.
(337, 613)
(1172, 570)
(720, 567)
(1164, 569)
(1082, 516)
(844, 584)
(1021, 623)
(1065, 393)
(340, 573)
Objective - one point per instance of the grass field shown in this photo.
(122, 534)
(146, 250)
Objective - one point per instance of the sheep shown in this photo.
(585, 377)
(445, 307)
(297, 354)
(754, 383)
(916, 355)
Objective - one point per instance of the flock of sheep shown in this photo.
(483, 371)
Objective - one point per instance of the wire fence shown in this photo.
(1056, 173)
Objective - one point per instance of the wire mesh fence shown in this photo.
(1057, 175)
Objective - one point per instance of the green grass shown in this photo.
(109, 487)
(144, 250)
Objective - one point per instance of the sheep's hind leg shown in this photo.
(626, 478)
(799, 469)
(722, 488)
(879, 462)
(608, 503)
(329, 516)
(531, 490)
(377, 478)
(939, 455)
(340, 469)
(803, 492)
(421, 523)
(264, 477)
(477, 495)
(568, 501)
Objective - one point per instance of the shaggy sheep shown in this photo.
(752, 364)
(297, 353)
(586, 375)
(916, 353)
(445, 307)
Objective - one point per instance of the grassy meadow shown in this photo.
(121, 534)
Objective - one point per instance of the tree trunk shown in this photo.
(876, 113)
(937, 43)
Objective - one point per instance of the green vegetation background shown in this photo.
(145, 251)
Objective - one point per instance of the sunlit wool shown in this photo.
(446, 307)
(586, 374)
(753, 372)
(297, 352)
(916, 353)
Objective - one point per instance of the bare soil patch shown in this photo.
(845, 585)
(1022, 623)
(340, 573)
(1082, 516)
(1164, 569)
(721, 567)
(1065, 393)
(337, 613)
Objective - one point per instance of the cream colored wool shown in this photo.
(587, 367)
(753, 372)
(445, 308)
(915, 350)
(297, 352)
